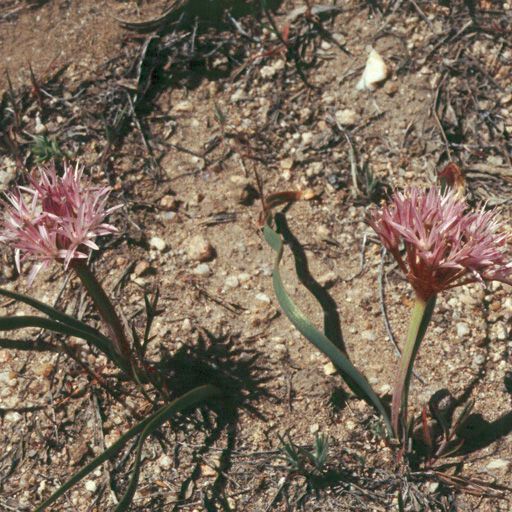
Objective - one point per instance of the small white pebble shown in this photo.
(244, 277)
(462, 329)
(231, 282)
(384, 389)
(200, 249)
(165, 462)
(203, 269)
(498, 464)
(90, 485)
(327, 279)
(368, 335)
(158, 243)
(263, 297)
(186, 325)
(432, 487)
(183, 106)
(478, 360)
(346, 117)
(13, 417)
(329, 369)
(500, 331)
(306, 137)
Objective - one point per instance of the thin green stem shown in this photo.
(420, 318)
(105, 307)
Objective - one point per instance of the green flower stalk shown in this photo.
(420, 318)
(445, 246)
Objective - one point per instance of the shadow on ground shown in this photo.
(239, 374)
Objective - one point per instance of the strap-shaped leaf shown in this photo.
(311, 333)
(10, 323)
(146, 427)
(52, 312)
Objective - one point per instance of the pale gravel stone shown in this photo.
(266, 270)
(183, 106)
(368, 335)
(346, 117)
(462, 329)
(200, 249)
(13, 417)
(238, 95)
(244, 277)
(478, 360)
(280, 348)
(329, 369)
(384, 389)
(231, 282)
(498, 464)
(306, 138)
(165, 462)
(432, 487)
(499, 330)
(267, 72)
(323, 231)
(90, 485)
(203, 269)
(314, 169)
(158, 243)
(263, 297)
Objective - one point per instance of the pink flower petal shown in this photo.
(55, 218)
(445, 245)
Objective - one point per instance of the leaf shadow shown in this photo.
(332, 322)
(237, 371)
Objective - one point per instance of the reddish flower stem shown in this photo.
(105, 308)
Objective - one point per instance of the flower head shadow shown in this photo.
(55, 218)
(445, 246)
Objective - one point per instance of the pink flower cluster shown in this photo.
(55, 218)
(445, 245)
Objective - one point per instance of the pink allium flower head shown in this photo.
(445, 246)
(55, 218)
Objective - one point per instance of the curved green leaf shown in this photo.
(311, 333)
(146, 426)
(10, 323)
(53, 313)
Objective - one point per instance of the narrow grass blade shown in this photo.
(11, 323)
(151, 311)
(146, 426)
(316, 337)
